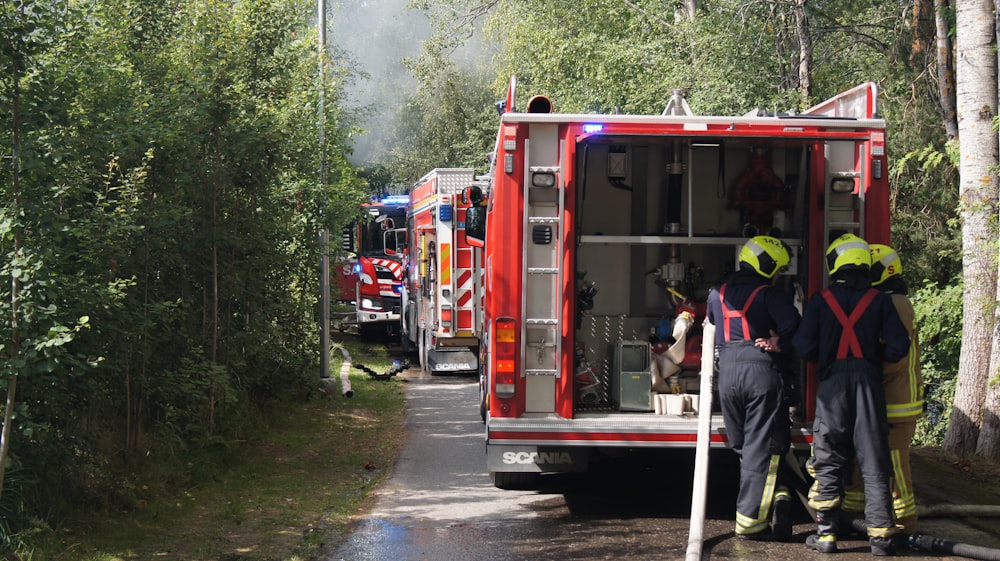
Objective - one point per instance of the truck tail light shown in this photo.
(505, 351)
(878, 150)
(446, 319)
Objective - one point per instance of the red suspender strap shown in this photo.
(849, 344)
(728, 313)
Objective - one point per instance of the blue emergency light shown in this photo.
(444, 213)
(593, 127)
(396, 200)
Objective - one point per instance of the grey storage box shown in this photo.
(631, 381)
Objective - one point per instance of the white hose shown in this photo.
(696, 535)
(345, 370)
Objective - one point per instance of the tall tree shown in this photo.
(804, 36)
(976, 96)
(945, 67)
(988, 445)
(45, 221)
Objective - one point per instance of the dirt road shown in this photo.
(440, 505)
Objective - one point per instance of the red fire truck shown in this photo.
(442, 293)
(602, 237)
(376, 244)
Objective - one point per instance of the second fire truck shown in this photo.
(376, 244)
(442, 308)
(604, 234)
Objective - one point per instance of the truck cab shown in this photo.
(377, 244)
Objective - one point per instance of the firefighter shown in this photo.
(848, 330)
(904, 396)
(756, 322)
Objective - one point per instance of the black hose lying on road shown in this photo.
(922, 542)
(930, 543)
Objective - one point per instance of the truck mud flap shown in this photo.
(458, 360)
(538, 459)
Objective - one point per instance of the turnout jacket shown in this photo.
(818, 337)
(771, 309)
(904, 383)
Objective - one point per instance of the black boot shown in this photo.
(882, 547)
(781, 516)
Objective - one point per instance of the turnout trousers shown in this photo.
(851, 423)
(752, 398)
(904, 502)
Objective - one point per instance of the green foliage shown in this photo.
(305, 467)
(19, 524)
(925, 203)
(939, 324)
(158, 222)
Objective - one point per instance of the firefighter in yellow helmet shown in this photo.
(904, 396)
(755, 321)
(849, 329)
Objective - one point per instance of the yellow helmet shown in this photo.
(848, 251)
(766, 255)
(885, 263)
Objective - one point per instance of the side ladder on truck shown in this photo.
(542, 295)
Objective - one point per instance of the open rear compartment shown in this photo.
(659, 222)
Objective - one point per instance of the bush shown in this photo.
(939, 327)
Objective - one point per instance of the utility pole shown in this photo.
(324, 236)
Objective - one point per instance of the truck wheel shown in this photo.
(406, 346)
(422, 348)
(514, 480)
(405, 327)
(483, 404)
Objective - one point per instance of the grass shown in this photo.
(290, 495)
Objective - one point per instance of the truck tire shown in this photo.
(515, 480)
(483, 405)
(406, 346)
(405, 328)
(422, 348)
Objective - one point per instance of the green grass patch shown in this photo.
(287, 494)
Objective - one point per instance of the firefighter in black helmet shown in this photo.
(754, 324)
(849, 329)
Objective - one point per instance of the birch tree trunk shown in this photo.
(989, 437)
(690, 9)
(945, 68)
(805, 51)
(976, 97)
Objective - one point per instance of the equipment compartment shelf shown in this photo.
(680, 240)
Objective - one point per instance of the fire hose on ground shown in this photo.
(329, 385)
(922, 542)
(918, 542)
